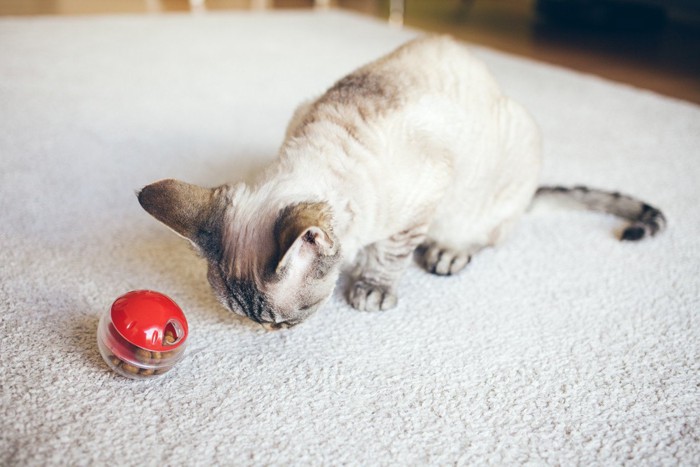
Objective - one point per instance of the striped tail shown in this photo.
(646, 220)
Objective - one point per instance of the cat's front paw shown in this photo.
(371, 297)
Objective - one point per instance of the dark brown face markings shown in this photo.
(245, 296)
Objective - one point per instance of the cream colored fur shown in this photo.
(419, 149)
(457, 155)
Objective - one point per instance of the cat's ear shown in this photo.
(181, 206)
(304, 233)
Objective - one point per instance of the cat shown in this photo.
(415, 154)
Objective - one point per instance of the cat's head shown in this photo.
(274, 263)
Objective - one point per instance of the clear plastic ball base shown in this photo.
(132, 361)
(142, 335)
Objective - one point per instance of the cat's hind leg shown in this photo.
(440, 259)
(380, 267)
(444, 253)
(452, 242)
(486, 199)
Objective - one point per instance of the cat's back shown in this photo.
(428, 67)
(433, 65)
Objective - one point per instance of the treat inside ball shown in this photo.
(143, 334)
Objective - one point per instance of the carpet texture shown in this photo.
(564, 346)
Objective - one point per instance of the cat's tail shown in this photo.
(646, 220)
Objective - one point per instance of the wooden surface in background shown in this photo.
(666, 61)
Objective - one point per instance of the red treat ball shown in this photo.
(143, 334)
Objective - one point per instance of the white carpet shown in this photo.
(565, 346)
